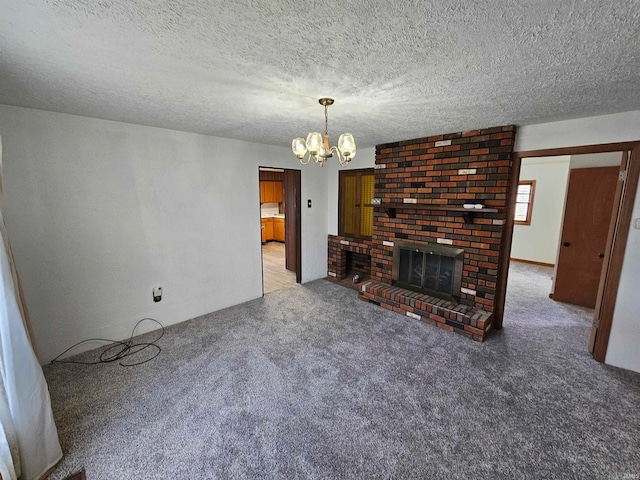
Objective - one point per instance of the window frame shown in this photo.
(358, 173)
(527, 221)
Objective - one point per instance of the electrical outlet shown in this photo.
(157, 294)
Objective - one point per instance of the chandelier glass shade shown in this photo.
(317, 144)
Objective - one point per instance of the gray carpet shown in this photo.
(311, 382)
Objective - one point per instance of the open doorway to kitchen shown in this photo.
(280, 227)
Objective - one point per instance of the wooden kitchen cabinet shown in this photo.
(272, 229)
(271, 192)
(278, 229)
(267, 187)
(277, 192)
(267, 229)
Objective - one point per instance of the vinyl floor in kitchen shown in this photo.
(274, 274)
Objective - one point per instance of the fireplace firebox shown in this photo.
(427, 268)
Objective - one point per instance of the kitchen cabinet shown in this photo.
(278, 196)
(267, 229)
(278, 229)
(272, 229)
(271, 192)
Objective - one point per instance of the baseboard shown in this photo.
(532, 262)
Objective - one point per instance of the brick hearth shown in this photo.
(471, 322)
(423, 184)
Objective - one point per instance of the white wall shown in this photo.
(624, 342)
(619, 127)
(623, 348)
(365, 158)
(538, 242)
(595, 160)
(98, 212)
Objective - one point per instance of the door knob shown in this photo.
(566, 244)
(601, 255)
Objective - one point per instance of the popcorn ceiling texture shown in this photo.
(254, 69)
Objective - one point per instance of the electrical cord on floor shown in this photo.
(122, 349)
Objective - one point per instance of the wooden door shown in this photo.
(605, 277)
(355, 212)
(292, 222)
(583, 244)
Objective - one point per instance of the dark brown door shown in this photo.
(588, 211)
(292, 223)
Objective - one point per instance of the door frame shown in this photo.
(297, 222)
(615, 250)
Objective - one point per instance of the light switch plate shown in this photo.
(636, 224)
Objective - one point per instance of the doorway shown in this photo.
(280, 227)
(628, 155)
(563, 212)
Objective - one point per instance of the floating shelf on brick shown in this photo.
(467, 213)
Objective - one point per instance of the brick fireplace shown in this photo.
(425, 187)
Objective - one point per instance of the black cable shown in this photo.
(125, 348)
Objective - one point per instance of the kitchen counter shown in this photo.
(272, 215)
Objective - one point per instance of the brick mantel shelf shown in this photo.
(468, 214)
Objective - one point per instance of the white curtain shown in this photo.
(29, 445)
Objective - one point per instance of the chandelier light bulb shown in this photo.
(314, 143)
(299, 147)
(347, 145)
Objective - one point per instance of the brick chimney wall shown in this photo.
(445, 171)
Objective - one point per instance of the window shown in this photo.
(524, 202)
(355, 212)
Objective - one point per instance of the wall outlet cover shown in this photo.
(157, 294)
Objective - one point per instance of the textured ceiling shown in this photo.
(254, 69)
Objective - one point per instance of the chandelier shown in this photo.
(318, 145)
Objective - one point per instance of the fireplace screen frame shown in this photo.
(428, 249)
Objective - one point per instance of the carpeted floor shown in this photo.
(310, 382)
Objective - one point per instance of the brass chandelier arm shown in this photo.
(303, 162)
(343, 161)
